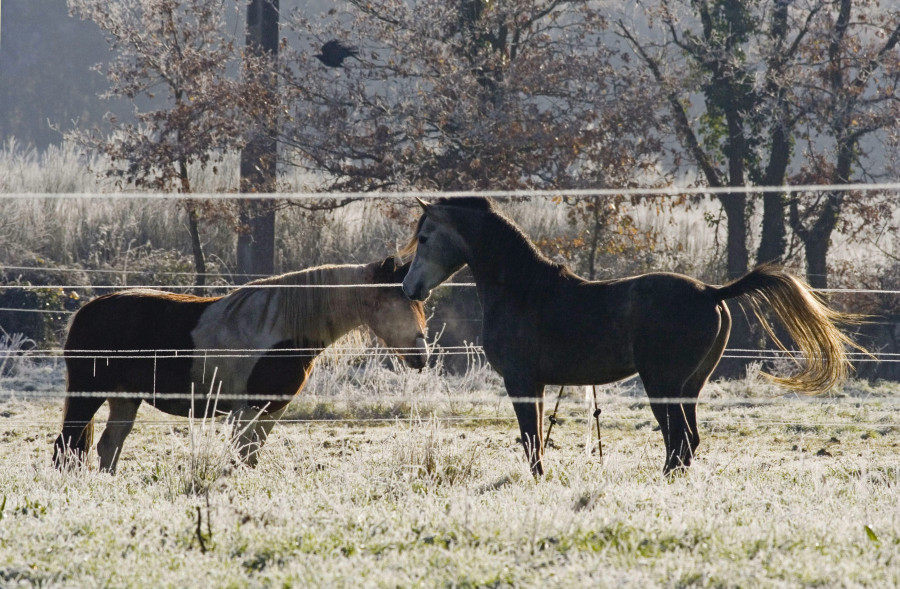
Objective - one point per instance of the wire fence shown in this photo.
(507, 418)
(608, 418)
(487, 397)
(366, 353)
(663, 191)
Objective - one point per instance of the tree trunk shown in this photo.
(817, 260)
(256, 243)
(735, 204)
(817, 239)
(773, 240)
(193, 223)
(737, 258)
(595, 243)
(196, 248)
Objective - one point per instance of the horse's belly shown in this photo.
(256, 368)
(597, 360)
(585, 371)
(586, 377)
(278, 375)
(561, 364)
(268, 380)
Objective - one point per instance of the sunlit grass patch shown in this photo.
(422, 500)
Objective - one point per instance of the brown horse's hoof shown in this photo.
(65, 458)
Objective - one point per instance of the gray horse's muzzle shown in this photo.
(415, 292)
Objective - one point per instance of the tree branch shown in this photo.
(682, 124)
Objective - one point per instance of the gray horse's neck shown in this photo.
(504, 263)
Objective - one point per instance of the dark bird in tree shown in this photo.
(334, 53)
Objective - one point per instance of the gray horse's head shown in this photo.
(440, 250)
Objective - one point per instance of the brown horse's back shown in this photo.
(127, 342)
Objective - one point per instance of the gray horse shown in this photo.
(545, 325)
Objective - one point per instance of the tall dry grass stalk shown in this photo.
(427, 455)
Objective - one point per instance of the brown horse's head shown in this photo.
(397, 320)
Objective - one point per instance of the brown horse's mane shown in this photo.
(516, 249)
(310, 312)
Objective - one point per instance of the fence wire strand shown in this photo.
(366, 352)
(458, 419)
(665, 191)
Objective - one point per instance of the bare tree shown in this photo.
(175, 54)
(738, 58)
(774, 77)
(465, 94)
(848, 95)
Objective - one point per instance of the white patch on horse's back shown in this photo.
(244, 323)
(250, 321)
(143, 292)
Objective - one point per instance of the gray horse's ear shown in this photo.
(439, 213)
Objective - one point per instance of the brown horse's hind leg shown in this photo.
(673, 424)
(121, 419)
(674, 363)
(77, 430)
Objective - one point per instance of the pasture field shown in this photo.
(394, 478)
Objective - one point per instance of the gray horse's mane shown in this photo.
(509, 242)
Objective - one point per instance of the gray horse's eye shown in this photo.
(422, 239)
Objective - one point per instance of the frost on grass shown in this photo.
(783, 493)
(426, 455)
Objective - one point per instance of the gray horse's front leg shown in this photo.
(528, 403)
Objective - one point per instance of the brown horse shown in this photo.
(254, 347)
(545, 325)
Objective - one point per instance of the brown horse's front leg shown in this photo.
(529, 407)
(251, 429)
(77, 437)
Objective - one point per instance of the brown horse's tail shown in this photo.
(808, 320)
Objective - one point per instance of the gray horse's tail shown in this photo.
(811, 323)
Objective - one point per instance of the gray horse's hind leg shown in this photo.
(700, 376)
(121, 419)
(251, 429)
